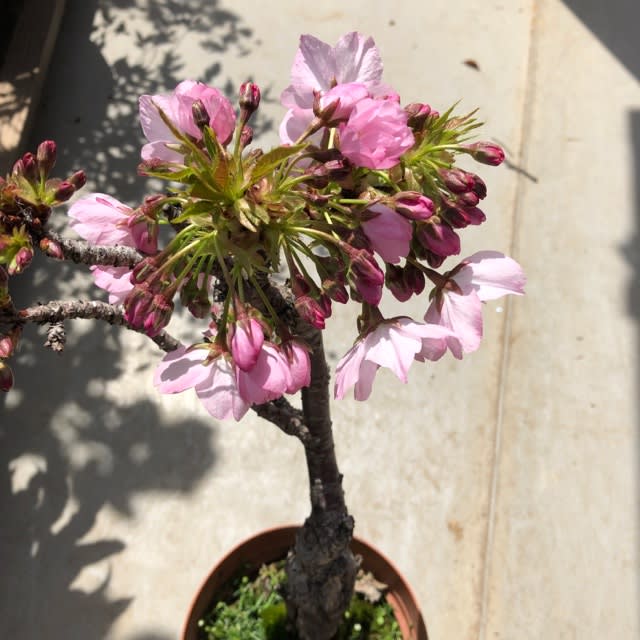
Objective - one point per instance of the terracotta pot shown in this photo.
(273, 544)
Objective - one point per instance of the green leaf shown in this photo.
(267, 162)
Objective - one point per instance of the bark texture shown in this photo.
(321, 568)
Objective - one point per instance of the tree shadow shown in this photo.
(75, 444)
(615, 25)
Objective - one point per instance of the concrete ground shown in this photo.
(506, 487)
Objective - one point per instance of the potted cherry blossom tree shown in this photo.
(362, 196)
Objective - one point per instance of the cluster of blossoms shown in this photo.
(362, 195)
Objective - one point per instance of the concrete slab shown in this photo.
(118, 501)
(564, 557)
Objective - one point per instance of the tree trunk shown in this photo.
(321, 568)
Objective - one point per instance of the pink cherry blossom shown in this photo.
(115, 280)
(269, 378)
(342, 99)
(319, 67)
(485, 275)
(101, 219)
(214, 382)
(246, 342)
(389, 233)
(394, 344)
(177, 106)
(376, 134)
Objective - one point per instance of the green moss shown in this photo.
(256, 611)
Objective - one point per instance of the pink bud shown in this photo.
(366, 277)
(413, 205)
(64, 191)
(6, 377)
(30, 167)
(460, 217)
(200, 114)
(438, 237)
(395, 282)
(46, 157)
(159, 315)
(20, 261)
(457, 180)
(51, 248)
(310, 311)
(248, 98)
(78, 179)
(335, 290)
(486, 152)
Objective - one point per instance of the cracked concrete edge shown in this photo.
(23, 72)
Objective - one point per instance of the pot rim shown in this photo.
(400, 595)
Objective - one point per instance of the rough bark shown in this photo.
(321, 568)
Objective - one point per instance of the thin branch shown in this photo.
(82, 252)
(285, 417)
(58, 311)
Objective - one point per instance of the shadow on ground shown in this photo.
(71, 448)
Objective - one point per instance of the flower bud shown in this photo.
(78, 179)
(158, 315)
(467, 199)
(366, 277)
(9, 342)
(51, 248)
(457, 180)
(30, 167)
(63, 191)
(46, 157)
(486, 152)
(394, 281)
(18, 168)
(310, 311)
(20, 261)
(413, 205)
(248, 99)
(417, 114)
(200, 114)
(6, 377)
(246, 136)
(460, 217)
(335, 290)
(414, 278)
(438, 237)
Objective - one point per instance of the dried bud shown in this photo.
(200, 114)
(248, 99)
(6, 377)
(51, 248)
(417, 113)
(46, 157)
(486, 152)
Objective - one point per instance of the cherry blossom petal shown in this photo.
(115, 280)
(246, 343)
(181, 369)
(101, 219)
(348, 370)
(268, 380)
(364, 384)
(357, 59)
(389, 347)
(389, 233)
(219, 392)
(299, 366)
(492, 275)
(463, 315)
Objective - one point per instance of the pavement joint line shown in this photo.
(521, 185)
